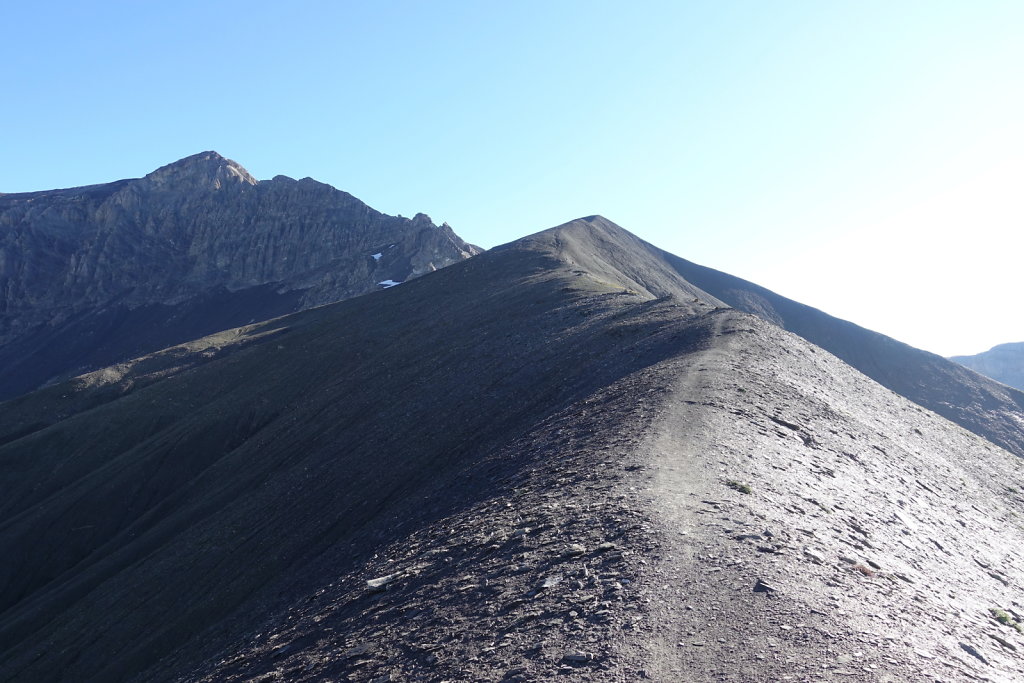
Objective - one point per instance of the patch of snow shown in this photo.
(376, 257)
(388, 283)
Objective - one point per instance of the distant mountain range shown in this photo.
(95, 275)
(571, 457)
(1003, 363)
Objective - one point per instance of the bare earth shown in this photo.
(862, 552)
(554, 461)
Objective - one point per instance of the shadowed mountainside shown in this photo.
(94, 275)
(1003, 363)
(558, 458)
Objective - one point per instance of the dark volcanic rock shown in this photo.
(1003, 363)
(559, 460)
(94, 275)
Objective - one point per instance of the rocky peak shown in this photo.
(96, 274)
(206, 170)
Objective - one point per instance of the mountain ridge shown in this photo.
(1003, 363)
(986, 407)
(95, 275)
(533, 463)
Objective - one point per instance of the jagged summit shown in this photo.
(94, 275)
(204, 170)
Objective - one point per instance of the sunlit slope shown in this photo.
(976, 403)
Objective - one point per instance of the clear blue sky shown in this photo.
(863, 157)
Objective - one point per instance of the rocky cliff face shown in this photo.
(92, 275)
(1003, 363)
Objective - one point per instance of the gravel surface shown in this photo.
(550, 462)
(817, 527)
(752, 510)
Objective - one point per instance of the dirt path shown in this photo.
(690, 620)
(811, 527)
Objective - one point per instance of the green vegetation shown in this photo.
(1004, 618)
(737, 486)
